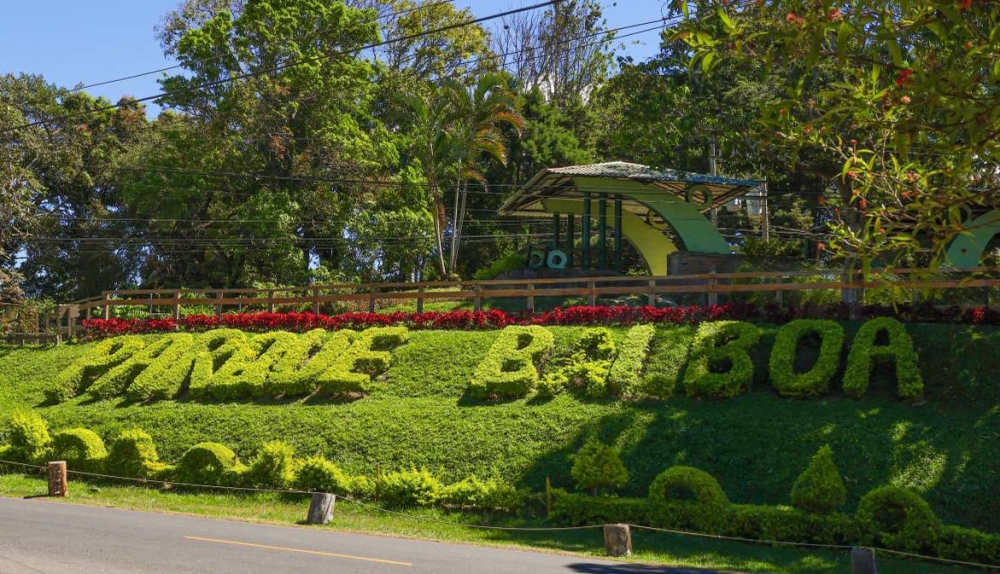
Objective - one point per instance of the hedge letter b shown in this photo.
(720, 365)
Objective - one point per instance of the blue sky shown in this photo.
(72, 41)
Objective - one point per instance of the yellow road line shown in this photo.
(298, 550)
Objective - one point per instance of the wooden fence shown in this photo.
(65, 322)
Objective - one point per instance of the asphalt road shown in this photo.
(38, 536)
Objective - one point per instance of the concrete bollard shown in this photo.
(57, 479)
(321, 508)
(863, 561)
(617, 540)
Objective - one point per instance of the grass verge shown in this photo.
(454, 527)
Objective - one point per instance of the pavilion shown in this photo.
(645, 205)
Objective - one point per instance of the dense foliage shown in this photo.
(819, 489)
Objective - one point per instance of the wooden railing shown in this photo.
(649, 290)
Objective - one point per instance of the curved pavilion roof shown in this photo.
(600, 179)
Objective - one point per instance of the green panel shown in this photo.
(653, 245)
(698, 233)
(967, 249)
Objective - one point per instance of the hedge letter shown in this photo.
(816, 380)
(720, 365)
(510, 368)
(77, 377)
(865, 354)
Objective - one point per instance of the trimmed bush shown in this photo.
(819, 489)
(133, 454)
(667, 358)
(598, 467)
(816, 380)
(472, 493)
(957, 543)
(273, 466)
(28, 434)
(79, 376)
(316, 474)
(167, 374)
(787, 524)
(866, 354)
(409, 488)
(117, 380)
(687, 497)
(625, 375)
(587, 367)
(82, 449)
(367, 357)
(206, 463)
(720, 365)
(572, 509)
(510, 368)
(296, 373)
(899, 519)
(219, 348)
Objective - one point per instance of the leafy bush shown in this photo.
(720, 364)
(245, 374)
(686, 497)
(667, 358)
(472, 493)
(865, 354)
(409, 488)
(133, 454)
(510, 367)
(598, 467)
(220, 347)
(504, 263)
(587, 367)
(816, 380)
(819, 489)
(574, 509)
(957, 543)
(367, 357)
(787, 524)
(899, 519)
(625, 375)
(82, 449)
(206, 463)
(28, 435)
(297, 372)
(168, 373)
(273, 466)
(316, 474)
(118, 379)
(75, 379)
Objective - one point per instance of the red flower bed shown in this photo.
(495, 319)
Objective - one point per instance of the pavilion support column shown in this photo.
(585, 231)
(618, 234)
(555, 231)
(570, 242)
(602, 234)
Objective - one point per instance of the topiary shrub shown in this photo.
(510, 368)
(787, 524)
(816, 380)
(78, 377)
(206, 463)
(819, 489)
(119, 378)
(245, 374)
(28, 435)
(625, 375)
(273, 467)
(720, 365)
(294, 373)
(865, 354)
(133, 454)
(667, 357)
(598, 467)
(167, 374)
(957, 543)
(899, 519)
(687, 497)
(316, 474)
(473, 493)
(82, 449)
(219, 347)
(409, 488)
(574, 509)
(367, 357)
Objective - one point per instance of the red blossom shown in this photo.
(903, 76)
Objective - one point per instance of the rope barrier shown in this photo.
(511, 528)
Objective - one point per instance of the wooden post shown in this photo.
(651, 297)
(218, 307)
(713, 295)
(477, 302)
(531, 298)
(548, 496)
(779, 295)
(177, 306)
(321, 508)
(863, 561)
(420, 299)
(591, 296)
(72, 313)
(270, 300)
(617, 540)
(585, 229)
(315, 293)
(371, 299)
(57, 479)
(107, 306)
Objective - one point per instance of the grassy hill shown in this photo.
(756, 444)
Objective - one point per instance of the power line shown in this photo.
(280, 67)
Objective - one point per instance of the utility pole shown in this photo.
(713, 167)
(765, 215)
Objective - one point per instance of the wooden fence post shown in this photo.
(371, 299)
(477, 301)
(651, 296)
(218, 306)
(531, 298)
(177, 306)
(315, 297)
(270, 300)
(420, 299)
(72, 314)
(713, 295)
(591, 296)
(106, 307)
(57, 479)
(321, 508)
(617, 540)
(863, 561)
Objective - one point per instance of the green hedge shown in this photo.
(206, 463)
(510, 368)
(82, 449)
(667, 358)
(787, 524)
(816, 380)
(367, 358)
(586, 367)
(819, 489)
(79, 376)
(29, 438)
(866, 354)
(221, 347)
(133, 454)
(573, 509)
(273, 467)
(168, 374)
(687, 497)
(899, 519)
(414, 487)
(720, 365)
(625, 375)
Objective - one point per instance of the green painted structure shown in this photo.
(658, 212)
(967, 249)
